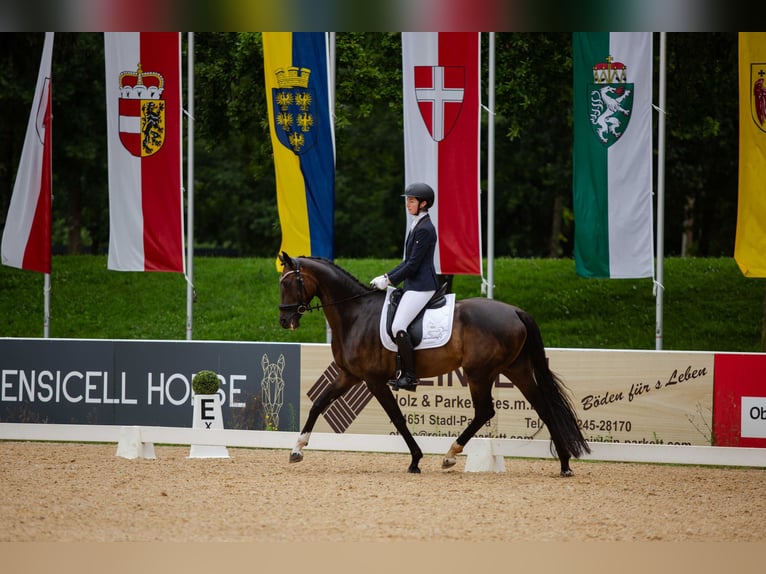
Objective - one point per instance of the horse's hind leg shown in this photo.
(483, 409)
(324, 400)
(523, 379)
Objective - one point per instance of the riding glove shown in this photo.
(380, 282)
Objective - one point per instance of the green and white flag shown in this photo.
(612, 168)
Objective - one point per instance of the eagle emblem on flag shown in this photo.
(141, 112)
(439, 92)
(611, 101)
(295, 122)
(758, 95)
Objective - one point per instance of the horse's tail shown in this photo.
(554, 398)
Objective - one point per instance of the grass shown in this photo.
(708, 304)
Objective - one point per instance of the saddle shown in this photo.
(415, 330)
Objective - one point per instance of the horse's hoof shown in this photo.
(567, 472)
(448, 462)
(296, 456)
(413, 470)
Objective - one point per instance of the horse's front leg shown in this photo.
(382, 392)
(324, 400)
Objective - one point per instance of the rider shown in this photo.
(419, 276)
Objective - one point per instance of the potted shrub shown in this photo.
(207, 413)
(205, 383)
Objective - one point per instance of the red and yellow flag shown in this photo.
(750, 245)
(143, 90)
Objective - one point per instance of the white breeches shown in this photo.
(411, 303)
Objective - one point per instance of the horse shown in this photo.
(489, 338)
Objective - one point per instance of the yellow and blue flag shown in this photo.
(296, 67)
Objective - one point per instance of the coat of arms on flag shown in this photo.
(439, 92)
(142, 112)
(758, 95)
(611, 101)
(294, 119)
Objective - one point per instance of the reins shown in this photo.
(302, 307)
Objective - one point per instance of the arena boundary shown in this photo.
(147, 436)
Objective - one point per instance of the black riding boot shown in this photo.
(407, 379)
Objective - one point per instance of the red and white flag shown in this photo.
(143, 106)
(441, 139)
(27, 234)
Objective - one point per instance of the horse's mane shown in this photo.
(347, 277)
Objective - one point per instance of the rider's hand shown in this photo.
(380, 282)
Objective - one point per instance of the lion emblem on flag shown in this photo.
(141, 112)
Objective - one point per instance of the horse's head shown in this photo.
(295, 292)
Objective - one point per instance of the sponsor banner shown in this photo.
(620, 396)
(740, 389)
(753, 419)
(68, 381)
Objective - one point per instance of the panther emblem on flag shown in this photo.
(439, 92)
(758, 95)
(611, 101)
(294, 120)
(141, 112)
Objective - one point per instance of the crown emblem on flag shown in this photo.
(294, 117)
(140, 85)
(293, 77)
(610, 99)
(609, 72)
(141, 112)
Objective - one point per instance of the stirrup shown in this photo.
(404, 383)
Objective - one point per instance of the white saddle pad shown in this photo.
(437, 324)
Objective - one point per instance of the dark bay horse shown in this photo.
(489, 338)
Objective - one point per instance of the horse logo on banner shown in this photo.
(142, 112)
(758, 95)
(611, 101)
(294, 119)
(439, 92)
(272, 390)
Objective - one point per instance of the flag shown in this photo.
(750, 242)
(440, 73)
(296, 66)
(27, 234)
(143, 105)
(612, 172)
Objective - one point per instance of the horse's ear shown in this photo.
(285, 259)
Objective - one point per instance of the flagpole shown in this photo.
(330, 39)
(47, 279)
(47, 306)
(491, 171)
(190, 187)
(659, 281)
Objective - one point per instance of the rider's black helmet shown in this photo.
(422, 191)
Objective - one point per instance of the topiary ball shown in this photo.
(205, 383)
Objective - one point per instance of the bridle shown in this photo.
(302, 306)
